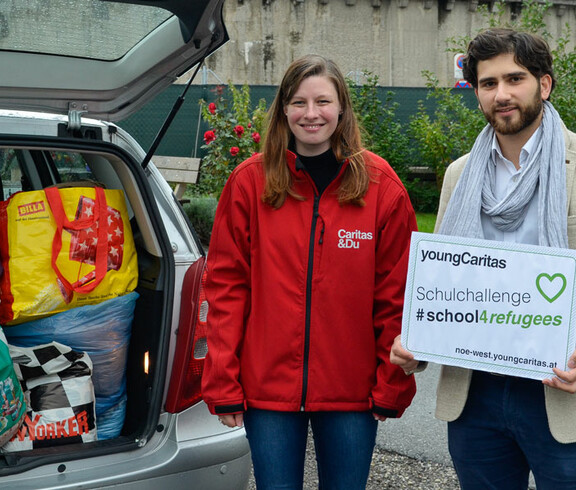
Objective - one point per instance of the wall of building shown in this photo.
(393, 39)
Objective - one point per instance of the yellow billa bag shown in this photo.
(61, 248)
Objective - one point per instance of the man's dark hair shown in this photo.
(529, 50)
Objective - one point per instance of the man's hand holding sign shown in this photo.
(492, 306)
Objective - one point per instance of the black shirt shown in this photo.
(322, 168)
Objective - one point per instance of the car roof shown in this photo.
(102, 58)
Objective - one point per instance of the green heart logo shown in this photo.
(547, 284)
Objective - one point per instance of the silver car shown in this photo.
(70, 69)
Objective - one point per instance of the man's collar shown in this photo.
(528, 147)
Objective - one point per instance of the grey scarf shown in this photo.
(545, 171)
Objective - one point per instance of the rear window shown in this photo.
(78, 28)
(71, 167)
(60, 167)
(10, 173)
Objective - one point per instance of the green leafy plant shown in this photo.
(449, 132)
(564, 95)
(234, 135)
(201, 211)
(382, 133)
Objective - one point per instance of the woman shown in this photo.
(306, 276)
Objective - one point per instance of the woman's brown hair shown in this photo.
(346, 141)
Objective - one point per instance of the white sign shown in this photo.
(492, 306)
(458, 59)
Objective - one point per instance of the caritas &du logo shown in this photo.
(352, 239)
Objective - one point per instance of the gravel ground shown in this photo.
(392, 471)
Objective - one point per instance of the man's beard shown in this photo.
(513, 125)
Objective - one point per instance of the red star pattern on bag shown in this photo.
(83, 243)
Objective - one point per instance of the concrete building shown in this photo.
(393, 39)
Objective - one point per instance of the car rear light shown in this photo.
(191, 346)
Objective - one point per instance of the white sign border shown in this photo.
(470, 363)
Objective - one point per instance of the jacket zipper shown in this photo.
(309, 275)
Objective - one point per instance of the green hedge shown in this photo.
(200, 211)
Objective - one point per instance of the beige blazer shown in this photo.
(454, 382)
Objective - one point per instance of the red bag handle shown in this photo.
(87, 283)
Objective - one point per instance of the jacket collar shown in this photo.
(296, 166)
(293, 163)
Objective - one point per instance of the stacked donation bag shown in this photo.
(68, 271)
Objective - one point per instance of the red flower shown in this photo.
(234, 151)
(209, 136)
(239, 130)
(212, 108)
(256, 137)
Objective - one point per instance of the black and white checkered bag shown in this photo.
(60, 396)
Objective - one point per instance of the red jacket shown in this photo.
(305, 300)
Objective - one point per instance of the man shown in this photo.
(515, 185)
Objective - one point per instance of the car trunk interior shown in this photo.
(28, 165)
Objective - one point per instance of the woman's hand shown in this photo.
(235, 420)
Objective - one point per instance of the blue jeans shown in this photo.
(503, 433)
(343, 443)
